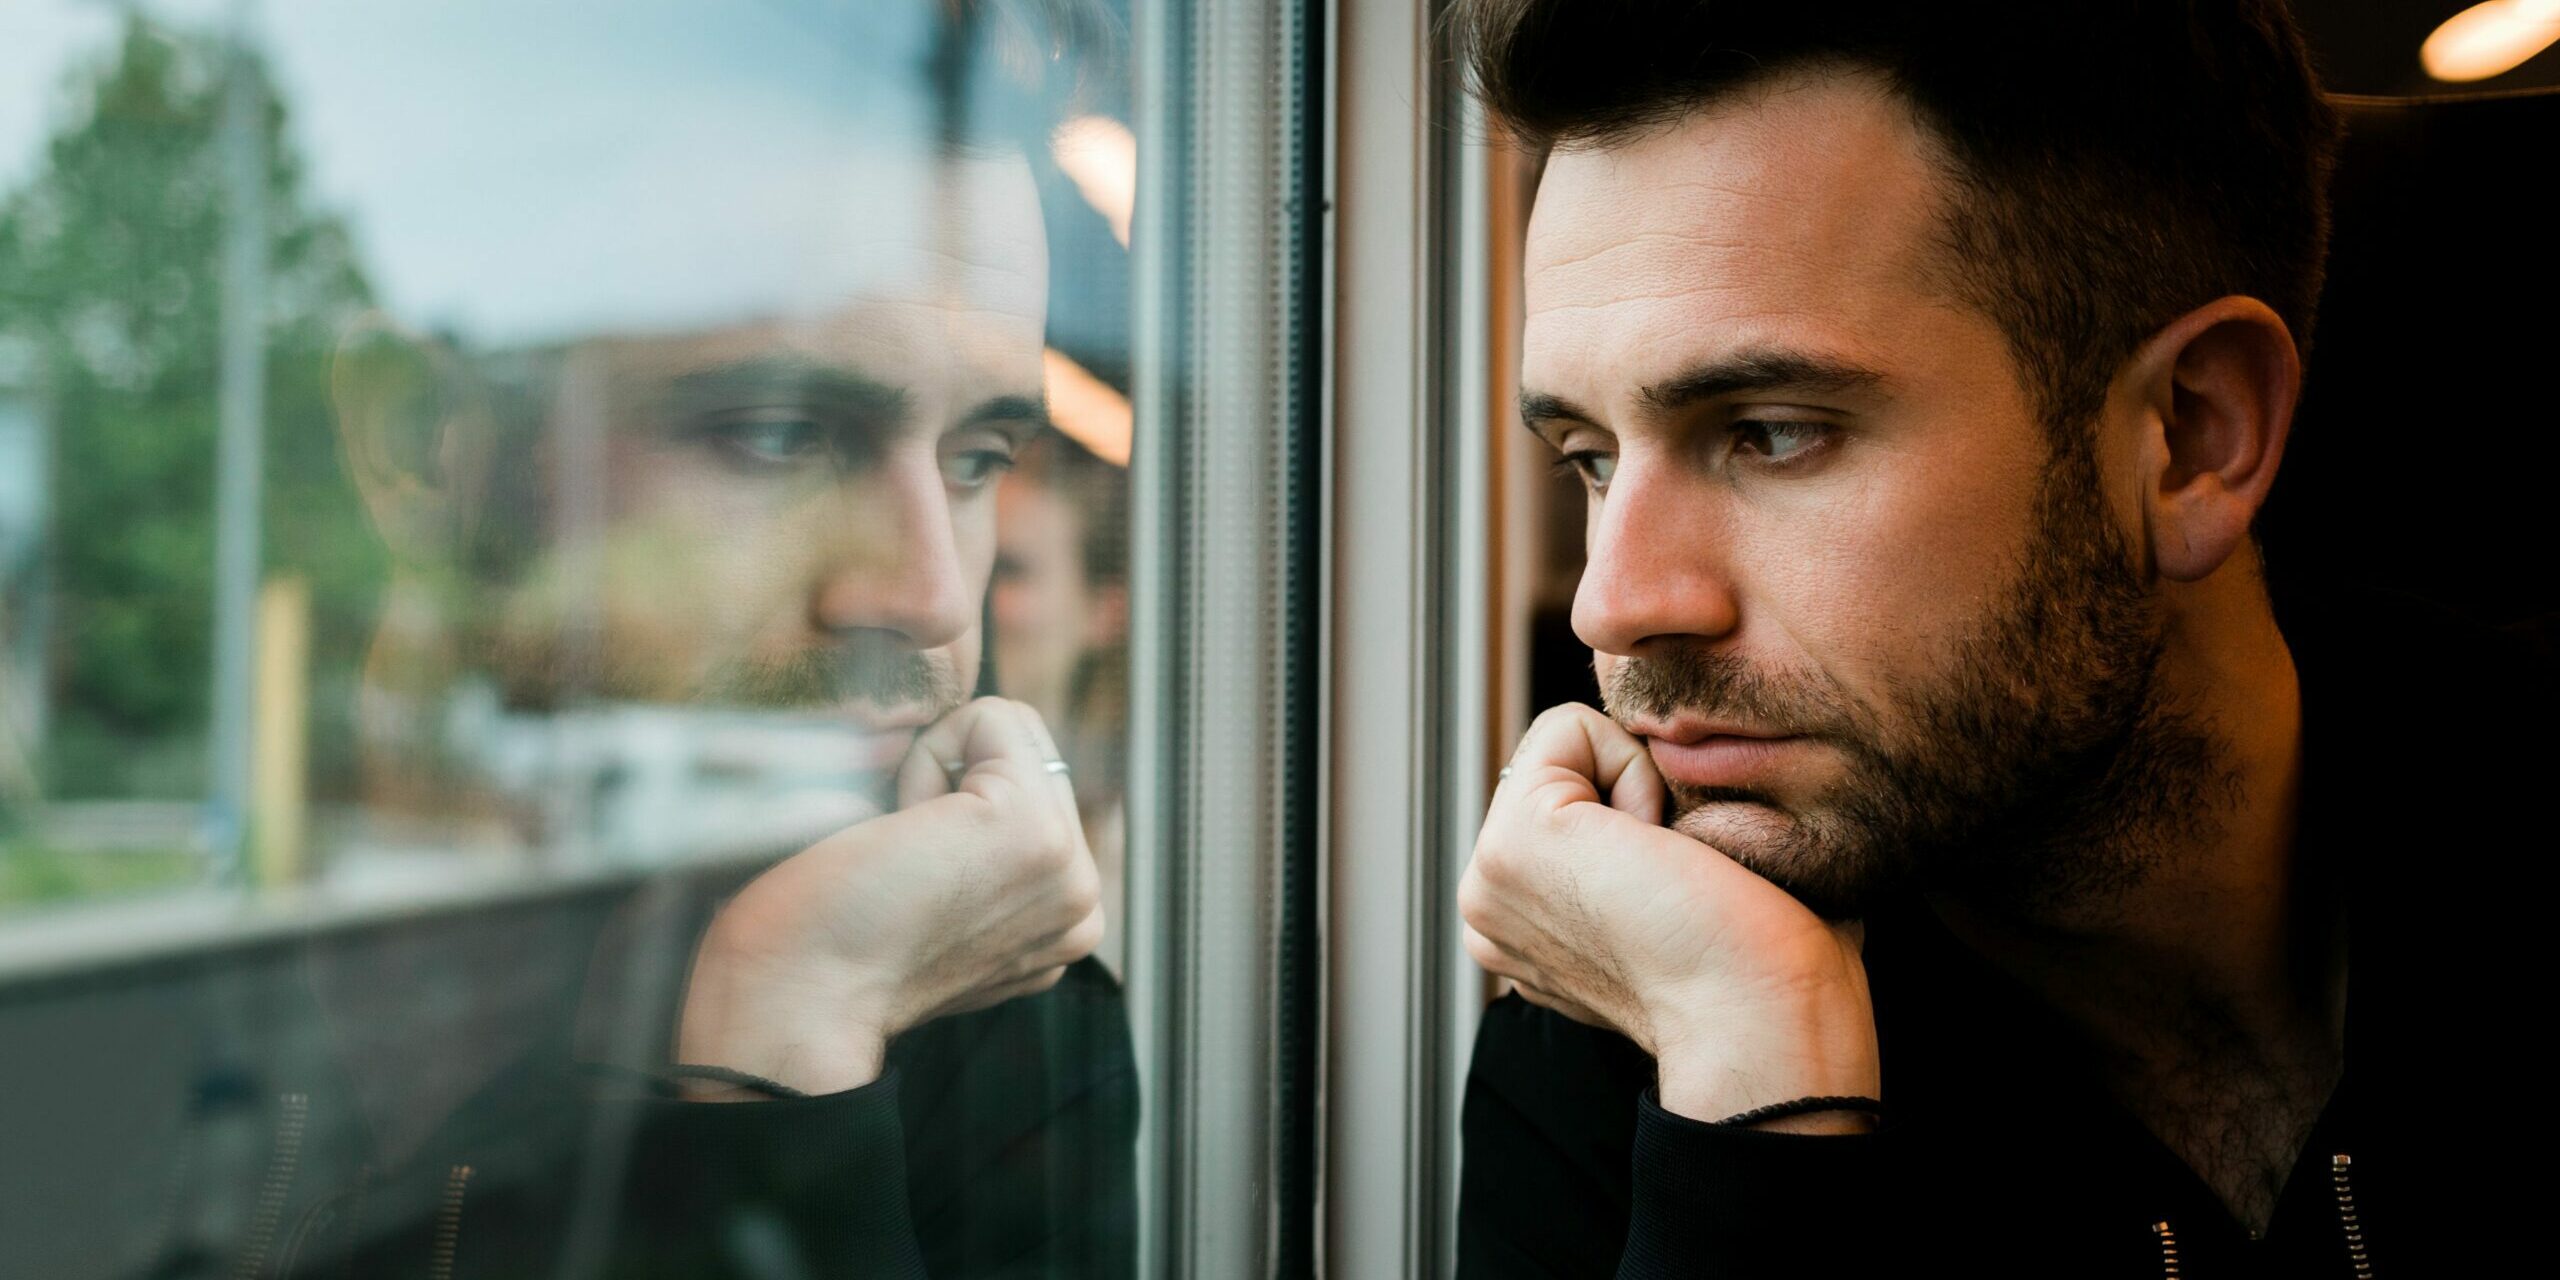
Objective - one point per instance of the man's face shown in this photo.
(796, 512)
(1867, 621)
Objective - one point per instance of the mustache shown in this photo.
(1724, 687)
(882, 674)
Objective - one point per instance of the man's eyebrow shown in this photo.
(1538, 408)
(1761, 371)
(1028, 412)
(772, 380)
(1727, 375)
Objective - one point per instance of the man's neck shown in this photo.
(2211, 987)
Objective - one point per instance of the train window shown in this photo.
(613, 636)
(873, 637)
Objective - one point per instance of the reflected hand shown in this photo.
(1578, 894)
(978, 889)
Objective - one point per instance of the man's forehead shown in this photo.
(1801, 211)
(942, 280)
(958, 231)
(920, 335)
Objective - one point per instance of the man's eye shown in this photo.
(1780, 441)
(973, 468)
(774, 441)
(1593, 469)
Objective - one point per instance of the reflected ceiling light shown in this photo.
(2490, 39)
(1100, 156)
(1086, 408)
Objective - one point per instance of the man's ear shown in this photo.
(2220, 383)
(391, 393)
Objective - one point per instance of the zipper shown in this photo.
(2168, 1250)
(279, 1184)
(2340, 1167)
(449, 1222)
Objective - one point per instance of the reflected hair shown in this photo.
(2114, 163)
(998, 73)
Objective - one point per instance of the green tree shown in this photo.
(110, 262)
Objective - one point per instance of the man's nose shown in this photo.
(892, 561)
(1656, 565)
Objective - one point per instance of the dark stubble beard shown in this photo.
(878, 672)
(868, 668)
(2041, 765)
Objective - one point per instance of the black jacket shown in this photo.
(416, 1101)
(2426, 755)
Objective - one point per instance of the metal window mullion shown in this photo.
(1412, 636)
(1224, 662)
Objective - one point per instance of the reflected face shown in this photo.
(1872, 627)
(796, 512)
(1043, 605)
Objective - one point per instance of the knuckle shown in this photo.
(1565, 717)
(1578, 823)
(1054, 850)
(1560, 714)
(1087, 935)
(1497, 864)
(1084, 887)
(999, 791)
(1475, 897)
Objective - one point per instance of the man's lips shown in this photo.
(879, 751)
(881, 738)
(1703, 753)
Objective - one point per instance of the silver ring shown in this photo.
(1054, 766)
(1506, 772)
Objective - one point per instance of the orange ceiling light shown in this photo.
(2490, 39)
(1100, 156)
(1086, 408)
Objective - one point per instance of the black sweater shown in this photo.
(2426, 751)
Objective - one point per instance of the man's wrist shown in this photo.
(1823, 1048)
(1715, 1094)
(810, 1059)
(791, 1026)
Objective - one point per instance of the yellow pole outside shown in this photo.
(280, 732)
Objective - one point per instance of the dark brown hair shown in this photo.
(2116, 162)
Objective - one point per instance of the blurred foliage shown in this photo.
(33, 873)
(110, 270)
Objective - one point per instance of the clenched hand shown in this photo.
(1578, 894)
(978, 889)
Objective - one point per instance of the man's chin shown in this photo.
(1747, 829)
(1776, 845)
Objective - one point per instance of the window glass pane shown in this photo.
(565, 583)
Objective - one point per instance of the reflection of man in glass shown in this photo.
(1060, 608)
(779, 530)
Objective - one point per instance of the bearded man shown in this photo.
(1976, 863)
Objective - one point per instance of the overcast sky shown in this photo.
(523, 169)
